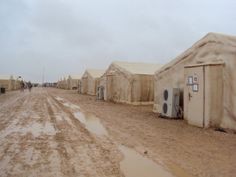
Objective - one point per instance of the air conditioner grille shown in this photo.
(166, 95)
(165, 108)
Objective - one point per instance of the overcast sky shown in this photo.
(68, 36)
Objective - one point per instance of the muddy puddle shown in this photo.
(67, 104)
(72, 106)
(135, 165)
(91, 122)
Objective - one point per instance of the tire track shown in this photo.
(41, 137)
(101, 154)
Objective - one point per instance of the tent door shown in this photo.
(85, 85)
(102, 93)
(194, 94)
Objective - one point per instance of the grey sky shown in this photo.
(68, 36)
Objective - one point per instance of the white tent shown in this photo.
(7, 82)
(62, 83)
(73, 82)
(206, 76)
(128, 82)
(90, 81)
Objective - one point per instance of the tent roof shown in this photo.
(75, 76)
(6, 77)
(214, 38)
(96, 72)
(138, 68)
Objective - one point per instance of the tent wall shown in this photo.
(72, 83)
(89, 84)
(203, 51)
(59, 84)
(118, 88)
(17, 85)
(92, 85)
(124, 87)
(80, 86)
(64, 84)
(143, 89)
(84, 88)
(68, 81)
(8, 84)
(5, 84)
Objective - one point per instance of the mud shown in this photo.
(51, 132)
(136, 165)
(91, 122)
(184, 150)
(40, 137)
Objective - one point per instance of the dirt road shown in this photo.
(51, 132)
(40, 137)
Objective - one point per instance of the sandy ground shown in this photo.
(40, 137)
(46, 133)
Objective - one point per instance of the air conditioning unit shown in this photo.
(170, 105)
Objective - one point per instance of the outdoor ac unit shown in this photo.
(170, 105)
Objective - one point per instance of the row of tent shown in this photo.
(204, 74)
(124, 82)
(9, 82)
(71, 82)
